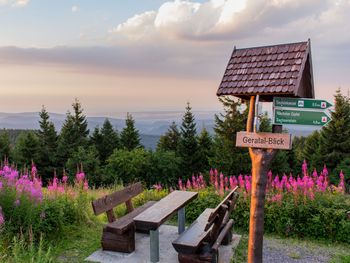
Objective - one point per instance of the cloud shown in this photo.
(227, 20)
(75, 8)
(14, 3)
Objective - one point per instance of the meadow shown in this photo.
(56, 223)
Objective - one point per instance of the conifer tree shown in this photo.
(129, 137)
(227, 157)
(310, 151)
(74, 133)
(105, 140)
(48, 145)
(205, 143)
(188, 145)
(170, 140)
(5, 148)
(335, 137)
(26, 149)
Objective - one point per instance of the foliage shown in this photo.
(205, 143)
(87, 158)
(26, 149)
(130, 137)
(105, 140)
(164, 168)
(5, 149)
(29, 211)
(127, 166)
(47, 145)
(335, 137)
(170, 140)
(188, 145)
(226, 156)
(74, 133)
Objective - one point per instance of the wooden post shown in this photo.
(261, 159)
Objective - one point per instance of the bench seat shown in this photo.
(190, 240)
(121, 225)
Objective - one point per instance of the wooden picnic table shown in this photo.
(152, 218)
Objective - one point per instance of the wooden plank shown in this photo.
(265, 140)
(212, 217)
(123, 224)
(156, 215)
(108, 202)
(190, 240)
(110, 216)
(129, 206)
(222, 235)
(120, 243)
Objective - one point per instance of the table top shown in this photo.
(156, 215)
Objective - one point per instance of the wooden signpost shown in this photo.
(263, 73)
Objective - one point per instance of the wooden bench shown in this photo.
(201, 241)
(119, 234)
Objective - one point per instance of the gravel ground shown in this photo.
(286, 251)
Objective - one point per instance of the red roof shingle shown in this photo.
(283, 70)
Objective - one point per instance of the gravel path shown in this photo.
(286, 251)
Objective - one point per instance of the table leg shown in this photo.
(154, 245)
(181, 220)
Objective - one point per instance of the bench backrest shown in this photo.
(108, 202)
(220, 215)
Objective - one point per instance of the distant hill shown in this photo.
(151, 125)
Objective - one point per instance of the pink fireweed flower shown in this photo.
(341, 185)
(325, 170)
(241, 181)
(188, 184)
(314, 174)
(226, 184)
(17, 202)
(180, 184)
(34, 171)
(1, 185)
(211, 173)
(277, 198)
(233, 182)
(157, 187)
(304, 167)
(65, 179)
(222, 184)
(80, 177)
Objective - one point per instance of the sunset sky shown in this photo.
(153, 55)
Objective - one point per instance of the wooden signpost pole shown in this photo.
(261, 159)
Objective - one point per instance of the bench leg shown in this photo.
(154, 245)
(181, 220)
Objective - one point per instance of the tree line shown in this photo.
(110, 156)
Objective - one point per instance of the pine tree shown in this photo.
(205, 143)
(129, 137)
(26, 149)
(310, 151)
(170, 140)
(105, 140)
(335, 137)
(188, 145)
(48, 145)
(5, 148)
(74, 133)
(227, 157)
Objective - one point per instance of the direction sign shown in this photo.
(267, 140)
(296, 116)
(301, 103)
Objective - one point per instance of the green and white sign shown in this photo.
(295, 116)
(301, 103)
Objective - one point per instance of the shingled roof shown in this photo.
(278, 70)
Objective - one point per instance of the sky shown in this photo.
(153, 55)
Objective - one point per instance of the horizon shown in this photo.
(143, 57)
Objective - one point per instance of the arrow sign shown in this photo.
(290, 116)
(301, 103)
